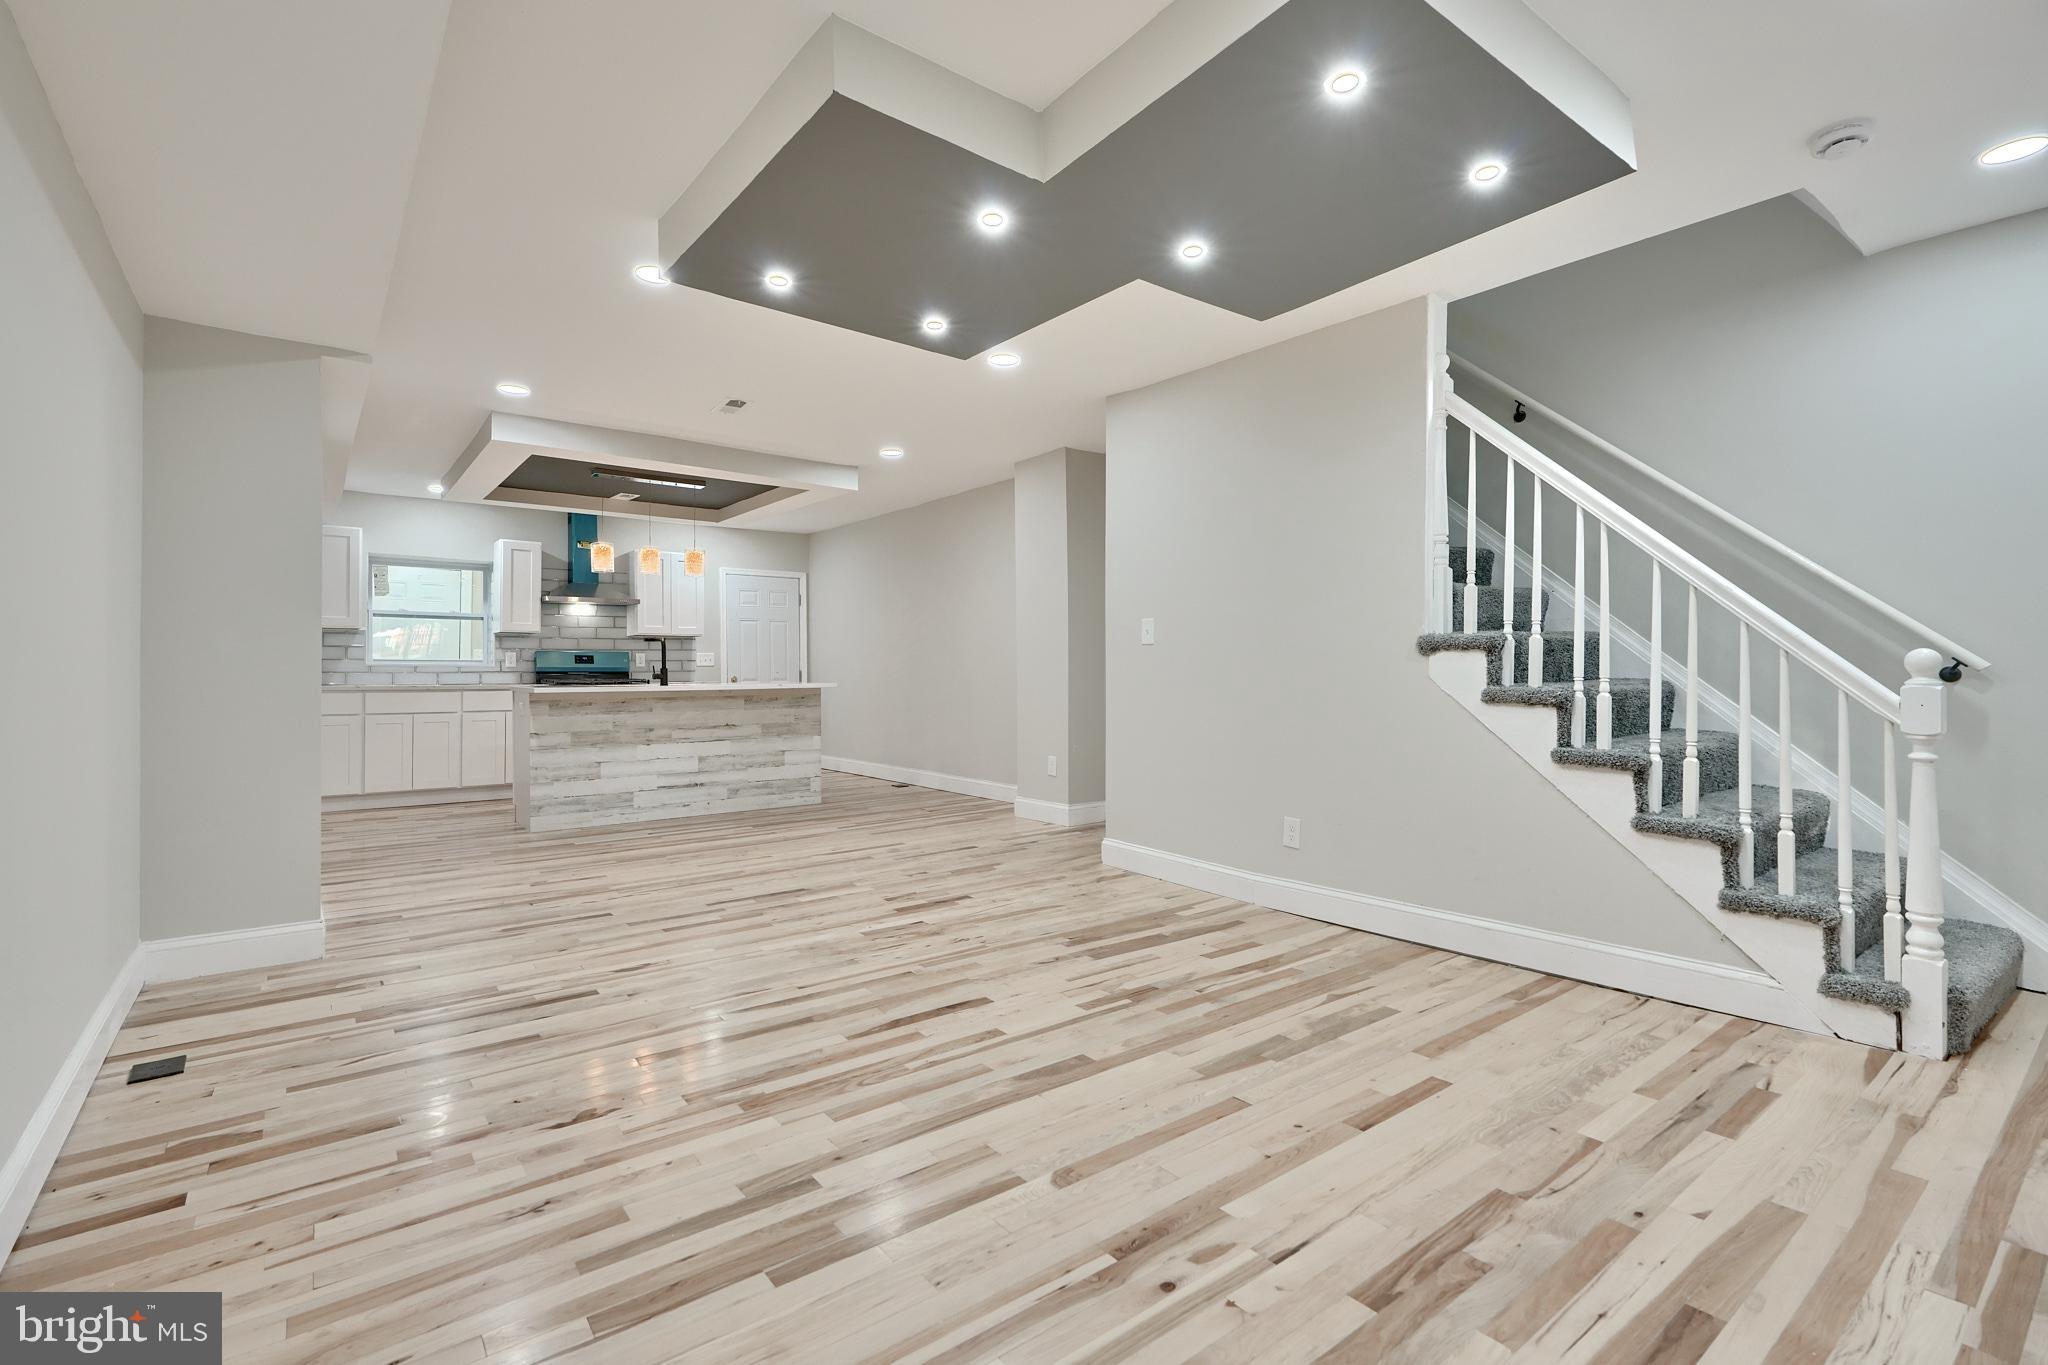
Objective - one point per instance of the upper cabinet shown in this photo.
(341, 578)
(515, 587)
(671, 602)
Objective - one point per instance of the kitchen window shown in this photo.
(427, 613)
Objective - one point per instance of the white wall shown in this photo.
(913, 617)
(1880, 414)
(1059, 547)
(71, 447)
(230, 739)
(1272, 504)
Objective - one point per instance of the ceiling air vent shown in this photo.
(1840, 140)
(731, 406)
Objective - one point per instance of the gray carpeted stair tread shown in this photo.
(1557, 656)
(1866, 985)
(1983, 975)
(1483, 568)
(1816, 898)
(1628, 705)
(1719, 821)
(1631, 753)
(1489, 607)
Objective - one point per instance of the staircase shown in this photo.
(1858, 948)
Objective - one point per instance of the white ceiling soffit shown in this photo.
(843, 59)
(344, 383)
(507, 440)
(251, 159)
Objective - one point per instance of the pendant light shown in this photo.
(650, 557)
(600, 549)
(693, 558)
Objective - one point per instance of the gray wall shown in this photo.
(1274, 502)
(913, 617)
(1878, 414)
(1059, 547)
(230, 751)
(71, 443)
(432, 529)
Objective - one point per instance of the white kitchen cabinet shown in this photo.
(484, 750)
(671, 602)
(341, 755)
(342, 575)
(515, 587)
(436, 751)
(387, 752)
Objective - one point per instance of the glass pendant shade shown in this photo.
(650, 560)
(600, 556)
(693, 563)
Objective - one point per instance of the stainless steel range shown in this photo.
(581, 668)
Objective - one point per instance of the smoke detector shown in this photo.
(731, 406)
(1838, 140)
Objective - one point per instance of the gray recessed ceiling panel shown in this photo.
(582, 479)
(1296, 194)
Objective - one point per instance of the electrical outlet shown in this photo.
(706, 659)
(1290, 831)
(639, 661)
(1052, 765)
(1146, 634)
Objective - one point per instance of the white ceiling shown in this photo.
(252, 157)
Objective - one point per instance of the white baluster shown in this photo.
(1507, 589)
(1535, 669)
(1845, 853)
(1894, 910)
(1689, 796)
(1656, 685)
(1579, 627)
(1923, 969)
(1788, 842)
(1604, 737)
(1471, 532)
(1745, 800)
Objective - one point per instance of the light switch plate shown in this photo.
(1146, 633)
(1052, 765)
(706, 659)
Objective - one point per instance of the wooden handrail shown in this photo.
(1923, 633)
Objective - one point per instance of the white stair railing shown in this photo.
(1913, 952)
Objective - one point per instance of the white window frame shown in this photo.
(487, 664)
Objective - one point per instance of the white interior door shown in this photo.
(763, 618)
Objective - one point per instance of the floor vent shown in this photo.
(162, 1066)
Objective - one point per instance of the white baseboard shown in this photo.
(1967, 894)
(1059, 813)
(1745, 992)
(390, 800)
(28, 1165)
(918, 777)
(273, 945)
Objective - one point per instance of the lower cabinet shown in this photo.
(484, 750)
(414, 741)
(341, 755)
(387, 753)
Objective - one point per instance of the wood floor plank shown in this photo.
(900, 1077)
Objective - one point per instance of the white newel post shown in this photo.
(1437, 502)
(1924, 969)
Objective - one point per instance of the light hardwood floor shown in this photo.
(901, 1077)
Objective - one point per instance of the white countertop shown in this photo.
(656, 690)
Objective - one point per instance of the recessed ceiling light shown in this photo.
(649, 274)
(1193, 251)
(1345, 83)
(992, 219)
(1486, 172)
(2019, 149)
(935, 325)
(892, 452)
(436, 489)
(777, 279)
(512, 388)
(1006, 360)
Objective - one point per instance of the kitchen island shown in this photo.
(615, 755)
